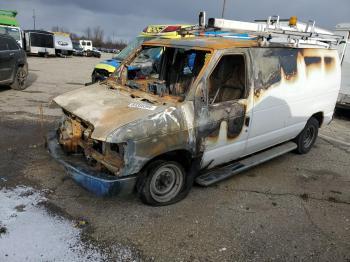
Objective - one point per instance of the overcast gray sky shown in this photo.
(127, 18)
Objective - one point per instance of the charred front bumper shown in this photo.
(98, 182)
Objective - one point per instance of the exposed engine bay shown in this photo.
(74, 136)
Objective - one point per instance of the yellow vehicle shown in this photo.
(105, 68)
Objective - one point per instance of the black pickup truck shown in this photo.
(13, 63)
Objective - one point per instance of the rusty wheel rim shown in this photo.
(166, 183)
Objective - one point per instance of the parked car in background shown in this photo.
(38, 42)
(94, 52)
(13, 63)
(105, 68)
(63, 44)
(344, 52)
(77, 49)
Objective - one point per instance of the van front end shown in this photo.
(94, 164)
(98, 182)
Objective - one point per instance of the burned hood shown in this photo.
(105, 108)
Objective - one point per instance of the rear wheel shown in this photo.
(20, 80)
(163, 184)
(306, 139)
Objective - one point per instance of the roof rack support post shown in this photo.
(312, 23)
(273, 20)
(347, 39)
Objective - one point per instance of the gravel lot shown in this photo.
(293, 208)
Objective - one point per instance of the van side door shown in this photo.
(274, 70)
(224, 122)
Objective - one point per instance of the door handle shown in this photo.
(247, 121)
(12, 54)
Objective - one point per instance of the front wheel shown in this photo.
(164, 183)
(20, 80)
(306, 139)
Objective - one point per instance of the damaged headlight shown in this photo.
(111, 156)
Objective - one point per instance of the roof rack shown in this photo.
(273, 30)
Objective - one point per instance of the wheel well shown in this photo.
(184, 158)
(319, 117)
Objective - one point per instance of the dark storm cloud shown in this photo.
(126, 18)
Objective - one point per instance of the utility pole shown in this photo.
(34, 18)
(223, 9)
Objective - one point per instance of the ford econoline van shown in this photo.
(210, 107)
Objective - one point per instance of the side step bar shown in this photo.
(213, 176)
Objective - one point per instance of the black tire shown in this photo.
(20, 80)
(163, 183)
(306, 139)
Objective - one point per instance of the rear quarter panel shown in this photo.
(301, 83)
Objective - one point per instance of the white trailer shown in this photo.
(38, 42)
(63, 43)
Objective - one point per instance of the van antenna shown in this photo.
(223, 9)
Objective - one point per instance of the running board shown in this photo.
(213, 176)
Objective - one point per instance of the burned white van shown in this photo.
(210, 107)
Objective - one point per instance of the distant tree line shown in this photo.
(96, 34)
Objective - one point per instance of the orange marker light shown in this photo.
(293, 21)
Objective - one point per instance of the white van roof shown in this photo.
(343, 27)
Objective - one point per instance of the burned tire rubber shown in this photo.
(20, 81)
(163, 183)
(306, 139)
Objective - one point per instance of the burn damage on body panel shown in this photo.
(231, 113)
(312, 60)
(330, 63)
(136, 120)
(131, 126)
(274, 65)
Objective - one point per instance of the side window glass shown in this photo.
(228, 80)
(83, 43)
(12, 44)
(3, 44)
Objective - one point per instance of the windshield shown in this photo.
(14, 32)
(165, 70)
(76, 46)
(131, 46)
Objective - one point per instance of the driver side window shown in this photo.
(228, 80)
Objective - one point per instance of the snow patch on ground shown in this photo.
(31, 234)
